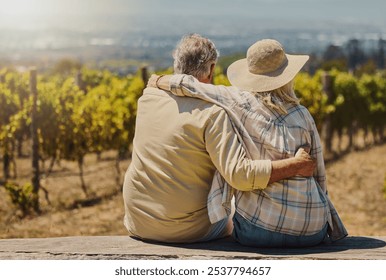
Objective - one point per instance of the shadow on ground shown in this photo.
(230, 245)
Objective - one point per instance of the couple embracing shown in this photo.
(212, 161)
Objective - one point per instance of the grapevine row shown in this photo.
(94, 111)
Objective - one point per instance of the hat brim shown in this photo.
(239, 75)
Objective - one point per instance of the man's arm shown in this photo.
(242, 173)
(300, 165)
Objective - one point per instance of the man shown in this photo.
(179, 143)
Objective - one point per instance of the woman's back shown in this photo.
(296, 206)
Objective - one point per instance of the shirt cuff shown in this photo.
(263, 169)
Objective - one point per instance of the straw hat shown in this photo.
(267, 67)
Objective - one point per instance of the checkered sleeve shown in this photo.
(219, 199)
(186, 85)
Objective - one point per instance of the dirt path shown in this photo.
(357, 187)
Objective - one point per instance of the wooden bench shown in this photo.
(127, 248)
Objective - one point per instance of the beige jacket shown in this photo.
(179, 143)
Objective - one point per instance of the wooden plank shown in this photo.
(124, 247)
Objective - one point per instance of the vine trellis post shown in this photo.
(35, 143)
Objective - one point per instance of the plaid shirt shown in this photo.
(295, 206)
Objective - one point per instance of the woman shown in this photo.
(272, 125)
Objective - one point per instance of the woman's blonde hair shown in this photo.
(279, 98)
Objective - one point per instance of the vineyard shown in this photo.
(53, 120)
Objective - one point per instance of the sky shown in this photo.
(17, 13)
(303, 25)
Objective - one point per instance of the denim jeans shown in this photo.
(249, 234)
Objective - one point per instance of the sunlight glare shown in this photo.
(20, 7)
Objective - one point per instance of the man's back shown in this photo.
(168, 181)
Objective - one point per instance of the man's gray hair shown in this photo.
(194, 55)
